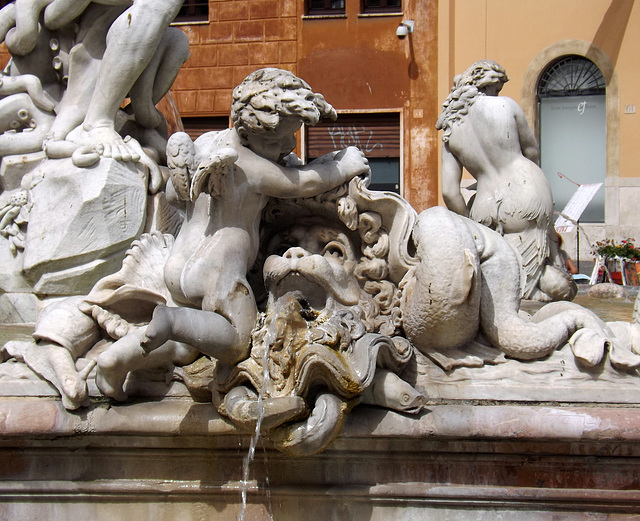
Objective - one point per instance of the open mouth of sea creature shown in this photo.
(313, 298)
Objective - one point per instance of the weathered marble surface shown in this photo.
(275, 301)
(76, 167)
(267, 296)
(72, 65)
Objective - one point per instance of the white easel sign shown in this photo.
(576, 205)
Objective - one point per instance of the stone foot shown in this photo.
(110, 377)
(56, 365)
(159, 329)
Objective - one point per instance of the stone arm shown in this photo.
(528, 142)
(59, 13)
(451, 177)
(62, 12)
(309, 180)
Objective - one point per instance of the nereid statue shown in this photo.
(488, 135)
(283, 293)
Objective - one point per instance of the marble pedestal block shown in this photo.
(177, 460)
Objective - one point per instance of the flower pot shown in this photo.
(616, 277)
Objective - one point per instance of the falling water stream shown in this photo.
(249, 457)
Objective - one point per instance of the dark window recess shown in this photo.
(4, 3)
(385, 174)
(381, 6)
(320, 7)
(193, 11)
(377, 135)
(197, 126)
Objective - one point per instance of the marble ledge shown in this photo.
(23, 420)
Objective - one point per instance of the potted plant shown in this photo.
(618, 257)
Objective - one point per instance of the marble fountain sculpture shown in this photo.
(225, 275)
(488, 135)
(291, 292)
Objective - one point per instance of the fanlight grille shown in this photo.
(571, 76)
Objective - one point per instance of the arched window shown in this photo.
(571, 76)
(572, 96)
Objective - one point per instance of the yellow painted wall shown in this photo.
(514, 32)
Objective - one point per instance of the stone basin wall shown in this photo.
(174, 459)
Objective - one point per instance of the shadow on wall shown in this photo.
(611, 31)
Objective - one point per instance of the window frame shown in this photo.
(326, 10)
(383, 8)
(193, 11)
(571, 75)
(357, 128)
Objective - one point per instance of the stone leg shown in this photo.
(63, 333)
(127, 355)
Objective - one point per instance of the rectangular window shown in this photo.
(573, 136)
(197, 126)
(324, 7)
(376, 134)
(381, 6)
(193, 11)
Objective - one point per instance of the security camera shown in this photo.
(406, 27)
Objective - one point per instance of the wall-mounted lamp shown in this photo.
(405, 27)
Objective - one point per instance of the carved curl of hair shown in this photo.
(268, 94)
(467, 87)
(379, 302)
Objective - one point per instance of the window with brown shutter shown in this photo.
(376, 134)
(197, 126)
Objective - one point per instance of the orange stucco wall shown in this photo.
(241, 36)
(359, 64)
